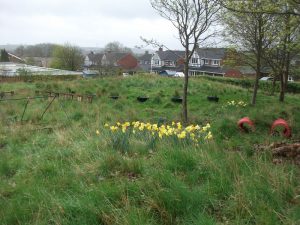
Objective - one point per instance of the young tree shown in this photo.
(250, 33)
(274, 7)
(4, 56)
(286, 45)
(192, 19)
(281, 36)
(67, 57)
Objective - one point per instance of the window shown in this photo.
(216, 62)
(194, 60)
(156, 62)
(169, 63)
(206, 61)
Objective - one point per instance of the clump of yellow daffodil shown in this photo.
(114, 128)
(236, 103)
(192, 132)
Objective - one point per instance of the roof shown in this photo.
(212, 53)
(145, 57)
(12, 69)
(113, 57)
(170, 55)
(12, 55)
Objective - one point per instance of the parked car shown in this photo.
(179, 74)
(266, 79)
(290, 79)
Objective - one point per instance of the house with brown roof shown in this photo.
(125, 62)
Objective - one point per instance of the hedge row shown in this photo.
(267, 86)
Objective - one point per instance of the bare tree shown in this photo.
(192, 19)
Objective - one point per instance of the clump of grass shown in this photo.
(116, 165)
(119, 141)
(157, 100)
(77, 116)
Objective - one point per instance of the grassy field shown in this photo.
(70, 169)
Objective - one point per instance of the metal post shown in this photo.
(48, 107)
(25, 109)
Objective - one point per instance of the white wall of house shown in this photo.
(104, 61)
(156, 61)
(195, 60)
(87, 61)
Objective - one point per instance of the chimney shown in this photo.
(160, 49)
(146, 52)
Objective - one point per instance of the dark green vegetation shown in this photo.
(4, 56)
(58, 171)
(267, 86)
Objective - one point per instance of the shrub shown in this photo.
(249, 83)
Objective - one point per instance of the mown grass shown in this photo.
(58, 171)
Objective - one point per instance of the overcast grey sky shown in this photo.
(83, 22)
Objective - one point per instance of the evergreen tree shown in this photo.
(4, 56)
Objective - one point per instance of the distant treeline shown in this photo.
(39, 50)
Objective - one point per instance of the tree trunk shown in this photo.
(258, 60)
(273, 85)
(185, 89)
(256, 84)
(285, 77)
(258, 75)
(281, 96)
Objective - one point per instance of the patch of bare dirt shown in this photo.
(282, 152)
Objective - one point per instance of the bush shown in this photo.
(249, 83)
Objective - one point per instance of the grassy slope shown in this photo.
(68, 175)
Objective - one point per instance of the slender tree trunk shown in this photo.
(285, 76)
(273, 85)
(282, 88)
(258, 62)
(258, 75)
(256, 85)
(185, 89)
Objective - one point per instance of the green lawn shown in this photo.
(59, 171)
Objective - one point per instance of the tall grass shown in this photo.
(59, 171)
